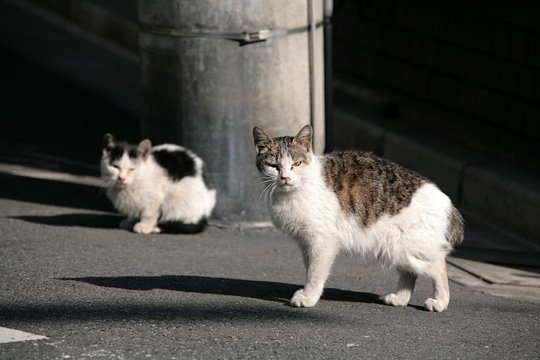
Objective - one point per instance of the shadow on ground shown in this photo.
(264, 290)
(188, 310)
(98, 221)
(52, 192)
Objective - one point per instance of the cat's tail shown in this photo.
(455, 231)
(178, 227)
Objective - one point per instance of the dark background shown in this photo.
(468, 71)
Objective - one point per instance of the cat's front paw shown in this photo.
(435, 305)
(395, 300)
(300, 299)
(142, 228)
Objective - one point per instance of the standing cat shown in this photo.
(157, 188)
(357, 202)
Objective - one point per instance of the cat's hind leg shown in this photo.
(404, 289)
(318, 259)
(439, 277)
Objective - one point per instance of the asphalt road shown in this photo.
(67, 272)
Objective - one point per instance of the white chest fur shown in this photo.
(310, 209)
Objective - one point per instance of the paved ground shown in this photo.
(95, 291)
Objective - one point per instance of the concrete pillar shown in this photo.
(205, 87)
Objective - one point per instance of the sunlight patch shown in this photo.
(10, 335)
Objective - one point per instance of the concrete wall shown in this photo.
(466, 70)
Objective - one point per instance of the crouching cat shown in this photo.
(159, 188)
(362, 204)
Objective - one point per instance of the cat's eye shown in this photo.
(296, 164)
(116, 167)
(274, 166)
(131, 169)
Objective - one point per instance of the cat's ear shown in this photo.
(109, 142)
(260, 139)
(303, 138)
(144, 148)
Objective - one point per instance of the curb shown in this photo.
(472, 275)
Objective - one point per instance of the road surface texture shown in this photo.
(95, 291)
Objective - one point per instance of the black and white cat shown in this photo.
(356, 202)
(159, 188)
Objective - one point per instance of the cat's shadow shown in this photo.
(263, 290)
(88, 220)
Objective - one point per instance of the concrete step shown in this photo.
(462, 275)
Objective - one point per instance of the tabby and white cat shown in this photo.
(362, 204)
(159, 188)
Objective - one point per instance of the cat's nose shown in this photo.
(285, 179)
(121, 179)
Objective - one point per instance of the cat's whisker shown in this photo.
(263, 184)
(270, 183)
(106, 183)
(262, 193)
(268, 191)
(260, 188)
(256, 189)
